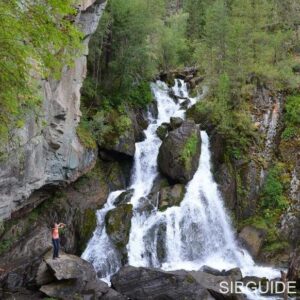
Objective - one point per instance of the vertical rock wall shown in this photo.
(49, 151)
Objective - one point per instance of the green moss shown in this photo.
(276, 247)
(118, 224)
(88, 226)
(291, 118)
(189, 150)
(85, 137)
(6, 244)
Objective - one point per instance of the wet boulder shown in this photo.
(175, 122)
(118, 223)
(162, 131)
(145, 283)
(124, 197)
(179, 153)
(252, 239)
(170, 196)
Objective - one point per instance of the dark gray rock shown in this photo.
(124, 197)
(294, 267)
(179, 153)
(144, 283)
(175, 122)
(162, 131)
(171, 196)
(118, 223)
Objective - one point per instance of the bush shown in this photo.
(273, 190)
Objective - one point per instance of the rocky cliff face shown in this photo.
(48, 151)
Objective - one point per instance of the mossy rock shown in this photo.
(87, 228)
(171, 196)
(179, 153)
(162, 131)
(118, 224)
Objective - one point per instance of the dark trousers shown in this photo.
(55, 243)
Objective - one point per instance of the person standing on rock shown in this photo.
(55, 238)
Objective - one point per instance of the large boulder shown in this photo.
(118, 223)
(179, 153)
(252, 239)
(170, 196)
(72, 278)
(124, 197)
(71, 267)
(144, 283)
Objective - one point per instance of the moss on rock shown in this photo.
(118, 224)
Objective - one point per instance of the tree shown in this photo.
(36, 40)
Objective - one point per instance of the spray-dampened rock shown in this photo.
(179, 153)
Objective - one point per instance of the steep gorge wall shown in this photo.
(49, 151)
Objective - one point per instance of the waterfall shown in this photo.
(196, 233)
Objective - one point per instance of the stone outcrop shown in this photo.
(73, 277)
(294, 268)
(145, 283)
(252, 239)
(118, 224)
(28, 239)
(48, 151)
(171, 196)
(179, 153)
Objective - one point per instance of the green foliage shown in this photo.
(292, 118)
(233, 124)
(85, 136)
(134, 41)
(272, 191)
(37, 39)
(189, 150)
(247, 37)
(173, 50)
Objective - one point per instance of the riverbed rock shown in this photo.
(118, 223)
(179, 153)
(252, 239)
(162, 131)
(124, 197)
(175, 122)
(144, 283)
(171, 196)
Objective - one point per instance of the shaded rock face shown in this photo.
(294, 268)
(51, 154)
(171, 196)
(118, 223)
(179, 153)
(252, 239)
(30, 236)
(240, 180)
(145, 283)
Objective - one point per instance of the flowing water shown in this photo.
(196, 233)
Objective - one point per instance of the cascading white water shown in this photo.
(196, 233)
(100, 251)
